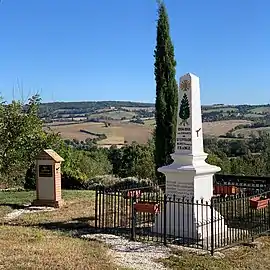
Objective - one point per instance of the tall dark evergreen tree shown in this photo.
(166, 91)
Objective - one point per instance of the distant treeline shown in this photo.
(91, 105)
(63, 110)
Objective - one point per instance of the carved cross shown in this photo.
(197, 131)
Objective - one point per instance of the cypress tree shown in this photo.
(166, 91)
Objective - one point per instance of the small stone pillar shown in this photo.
(48, 179)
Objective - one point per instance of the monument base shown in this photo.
(191, 222)
(49, 203)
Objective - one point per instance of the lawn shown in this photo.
(35, 248)
(47, 240)
(236, 258)
(43, 240)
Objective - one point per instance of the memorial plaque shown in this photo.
(45, 170)
(185, 190)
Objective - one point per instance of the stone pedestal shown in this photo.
(48, 183)
(189, 176)
(191, 188)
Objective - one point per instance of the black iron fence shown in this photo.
(147, 214)
(235, 184)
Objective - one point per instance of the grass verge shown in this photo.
(33, 248)
(236, 258)
(43, 240)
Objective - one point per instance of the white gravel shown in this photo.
(28, 209)
(133, 255)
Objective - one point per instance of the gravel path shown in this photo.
(133, 255)
(28, 209)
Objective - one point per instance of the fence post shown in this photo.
(165, 219)
(96, 207)
(133, 219)
(212, 226)
(268, 209)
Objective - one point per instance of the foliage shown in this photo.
(166, 91)
(21, 138)
(83, 165)
(30, 177)
(133, 160)
(240, 157)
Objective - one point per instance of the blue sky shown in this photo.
(103, 50)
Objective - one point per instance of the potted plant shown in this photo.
(147, 207)
(225, 190)
(259, 202)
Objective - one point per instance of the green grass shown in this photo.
(18, 197)
(260, 110)
(253, 115)
(11, 200)
(236, 258)
(221, 109)
(35, 248)
(150, 122)
(42, 240)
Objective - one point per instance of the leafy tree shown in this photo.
(166, 91)
(21, 138)
(115, 156)
(133, 160)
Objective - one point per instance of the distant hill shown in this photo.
(95, 110)
(127, 110)
(87, 106)
(126, 121)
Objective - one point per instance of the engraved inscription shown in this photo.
(171, 187)
(45, 170)
(183, 140)
(180, 190)
(185, 190)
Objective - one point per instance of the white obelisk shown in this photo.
(189, 176)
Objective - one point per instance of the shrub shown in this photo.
(30, 178)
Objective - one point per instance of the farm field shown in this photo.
(221, 109)
(116, 132)
(218, 128)
(247, 131)
(124, 131)
(261, 110)
(117, 115)
(254, 115)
